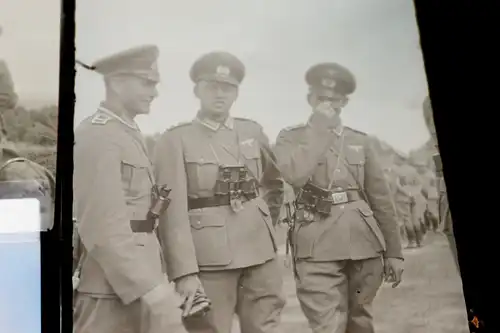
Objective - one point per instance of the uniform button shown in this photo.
(198, 222)
(342, 207)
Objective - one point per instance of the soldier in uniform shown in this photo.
(219, 233)
(409, 203)
(443, 206)
(122, 286)
(429, 190)
(345, 237)
(419, 205)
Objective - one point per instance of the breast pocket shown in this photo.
(356, 159)
(251, 154)
(136, 177)
(201, 173)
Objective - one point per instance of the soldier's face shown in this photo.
(216, 97)
(137, 94)
(336, 102)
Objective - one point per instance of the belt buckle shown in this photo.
(155, 225)
(339, 198)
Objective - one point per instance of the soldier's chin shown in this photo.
(219, 107)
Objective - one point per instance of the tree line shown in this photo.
(31, 126)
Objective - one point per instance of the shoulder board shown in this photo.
(294, 127)
(100, 119)
(247, 120)
(179, 125)
(355, 131)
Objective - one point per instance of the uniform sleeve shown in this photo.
(174, 228)
(271, 179)
(298, 151)
(379, 198)
(103, 222)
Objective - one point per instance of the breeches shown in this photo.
(337, 296)
(411, 221)
(253, 293)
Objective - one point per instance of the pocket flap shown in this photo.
(135, 163)
(366, 211)
(251, 150)
(200, 221)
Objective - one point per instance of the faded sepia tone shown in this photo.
(29, 75)
(254, 177)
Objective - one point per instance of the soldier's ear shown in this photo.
(196, 90)
(310, 99)
(345, 101)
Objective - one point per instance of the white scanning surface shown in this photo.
(19, 216)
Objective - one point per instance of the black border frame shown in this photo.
(56, 247)
(457, 40)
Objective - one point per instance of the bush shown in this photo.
(46, 156)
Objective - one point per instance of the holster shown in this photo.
(159, 201)
(314, 199)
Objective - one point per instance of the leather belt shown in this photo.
(147, 226)
(215, 201)
(335, 198)
(339, 198)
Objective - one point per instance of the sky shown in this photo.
(30, 46)
(277, 40)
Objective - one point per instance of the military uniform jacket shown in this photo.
(356, 230)
(112, 185)
(187, 158)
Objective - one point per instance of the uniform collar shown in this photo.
(214, 125)
(129, 123)
(338, 130)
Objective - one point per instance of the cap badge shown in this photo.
(328, 83)
(223, 71)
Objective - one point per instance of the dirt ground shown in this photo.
(430, 298)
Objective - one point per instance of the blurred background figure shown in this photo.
(408, 202)
(445, 219)
(429, 190)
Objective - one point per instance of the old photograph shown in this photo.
(29, 83)
(258, 166)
